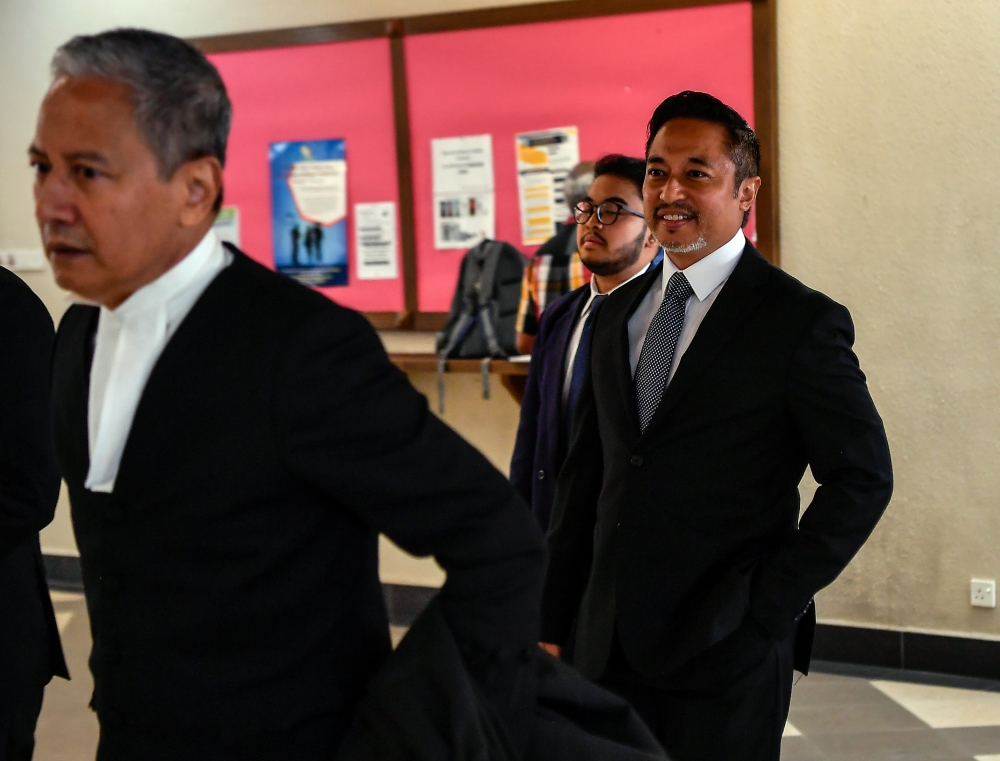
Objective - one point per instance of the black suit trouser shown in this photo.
(315, 739)
(18, 719)
(729, 703)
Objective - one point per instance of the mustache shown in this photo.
(677, 206)
(595, 234)
(59, 234)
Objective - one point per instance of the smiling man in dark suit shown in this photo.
(234, 442)
(676, 543)
(615, 244)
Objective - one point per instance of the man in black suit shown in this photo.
(676, 544)
(30, 653)
(234, 442)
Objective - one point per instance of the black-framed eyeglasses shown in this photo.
(607, 212)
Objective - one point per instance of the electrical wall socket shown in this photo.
(22, 259)
(984, 593)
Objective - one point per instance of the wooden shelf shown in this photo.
(513, 375)
(427, 363)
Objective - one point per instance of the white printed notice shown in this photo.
(463, 191)
(375, 236)
(543, 161)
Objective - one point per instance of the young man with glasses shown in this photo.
(615, 244)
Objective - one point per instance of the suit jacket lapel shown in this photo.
(174, 358)
(559, 338)
(84, 362)
(622, 364)
(728, 314)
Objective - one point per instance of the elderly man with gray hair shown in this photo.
(234, 443)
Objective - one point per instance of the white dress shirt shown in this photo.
(129, 341)
(706, 276)
(574, 340)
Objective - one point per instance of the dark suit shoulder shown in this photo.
(791, 293)
(565, 304)
(75, 315)
(274, 304)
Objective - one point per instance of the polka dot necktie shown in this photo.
(657, 354)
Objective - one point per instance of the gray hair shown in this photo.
(578, 182)
(179, 101)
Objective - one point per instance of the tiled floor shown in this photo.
(832, 718)
(840, 718)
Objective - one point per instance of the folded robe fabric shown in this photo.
(426, 705)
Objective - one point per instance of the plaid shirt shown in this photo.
(554, 270)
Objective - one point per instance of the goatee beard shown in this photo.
(625, 257)
(684, 248)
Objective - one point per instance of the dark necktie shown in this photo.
(657, 354)
(580, 361)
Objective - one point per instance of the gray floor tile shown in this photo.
(852, 717)
(822, 690)
(800, 749)
(901, 745)
(976, 741)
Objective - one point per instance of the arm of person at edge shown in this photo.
(526, 326)
(29, 480)
(525, 343)
(571, 531)
(350, 424)
(846, 447)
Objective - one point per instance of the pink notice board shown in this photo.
(604, 75)
(315, 92)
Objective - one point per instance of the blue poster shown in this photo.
(309, 210)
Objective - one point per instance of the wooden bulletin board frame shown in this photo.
(765, 102)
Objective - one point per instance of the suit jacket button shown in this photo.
(541, 475)
(636, 460)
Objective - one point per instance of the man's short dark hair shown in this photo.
(179, 101)
(743, 148)
(625, 167)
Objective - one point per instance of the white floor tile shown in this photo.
(790, 730)
(945, 707)
(58, 596)
(995, 757)
(63, 618)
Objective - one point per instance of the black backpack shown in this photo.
(483, 310)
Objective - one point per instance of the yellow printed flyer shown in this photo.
(543, 161)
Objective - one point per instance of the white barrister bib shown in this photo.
(129, 341)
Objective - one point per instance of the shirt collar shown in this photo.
(171, 283)
(707, 274)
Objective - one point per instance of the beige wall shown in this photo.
(889, 154)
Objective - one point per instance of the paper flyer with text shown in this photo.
(543, 160)
(463, 191)
(375, 240)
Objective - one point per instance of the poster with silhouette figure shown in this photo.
(309, 210)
